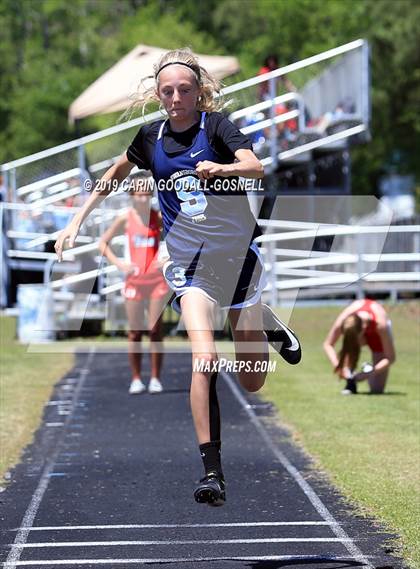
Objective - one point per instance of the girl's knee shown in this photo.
(252, 382)
(204, 361)
(377, 385)
(134, 336)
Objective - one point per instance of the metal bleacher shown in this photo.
(330, 111)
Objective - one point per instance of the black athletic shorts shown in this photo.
(232, 282)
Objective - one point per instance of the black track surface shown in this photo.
(103, 457)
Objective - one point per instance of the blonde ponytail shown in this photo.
(350, 350)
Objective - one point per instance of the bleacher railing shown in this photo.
(59, 169)
(40, 183)
(349, 269)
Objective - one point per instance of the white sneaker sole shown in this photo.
(136, 390)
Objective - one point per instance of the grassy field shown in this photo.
(368, 444)
(26, 382)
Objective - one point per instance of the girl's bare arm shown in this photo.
(116, 174)
(104, 243)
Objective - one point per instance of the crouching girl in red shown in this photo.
(364, 322)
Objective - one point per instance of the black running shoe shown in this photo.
(282, 338)
(351, 387)
(211, 490)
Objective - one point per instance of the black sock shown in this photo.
(210, 453)
(214, 410)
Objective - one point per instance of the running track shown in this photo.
(108, 483)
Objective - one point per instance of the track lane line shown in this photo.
(184, 542)
(307, 489)
(30, 514)
(147, 561)
(175, 526)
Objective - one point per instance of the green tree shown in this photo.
(295, 29)
(50, 51)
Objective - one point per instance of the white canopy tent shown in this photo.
(114, 90)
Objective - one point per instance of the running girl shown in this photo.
(364, 322)
(209, 236)
(144, 282)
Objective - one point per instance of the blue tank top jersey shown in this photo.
(198, 218)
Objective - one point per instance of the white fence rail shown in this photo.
(291, 260)
(307, 264)
(350, 269)
(74, 161)
(295, 269)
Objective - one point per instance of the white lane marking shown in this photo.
(54, 424)
(28, 518)
(63, 410)
(69, 453)
(185, 542)
(299, 479)
(57, 474)
(175, 526)
(144, 561)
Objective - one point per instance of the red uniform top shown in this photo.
(291, 124)
(143, 245)
(373, 339)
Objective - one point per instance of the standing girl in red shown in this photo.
(364, 322)
(144, 282)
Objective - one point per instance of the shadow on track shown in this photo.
(304, 562)
(169, 391)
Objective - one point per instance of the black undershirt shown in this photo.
(223, 136)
